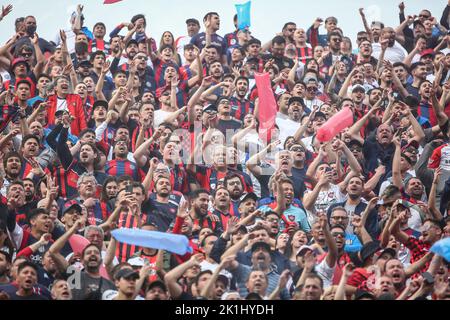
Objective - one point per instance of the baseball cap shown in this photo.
(296, 99)
(72, 204)
(100, 103)
(261, 244)
(18, 61)
(389, 251)
(303, 249)
(224, 279)
(131, 42)
(210, 107)
(358, 87)
(249, 195)
(126, 274)
(427, 52)
(192, 20)
(157, 283)
(320, 114)
(85, 63)
(369, 249)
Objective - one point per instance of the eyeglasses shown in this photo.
(337, 234)
(297, 149)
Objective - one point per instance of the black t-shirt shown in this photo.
(91, 288)
(225, 125)
(298, 177)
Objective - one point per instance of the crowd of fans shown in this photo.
(102, 131)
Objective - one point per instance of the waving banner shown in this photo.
(153, 239)
(243, 15)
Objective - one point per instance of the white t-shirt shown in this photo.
(326, 198)
(393, 54)
(287, 128)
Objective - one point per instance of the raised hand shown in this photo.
(207, 82)
(63, 36)
(6, 10)
(106, 66)
(183, 210)
(35, 39)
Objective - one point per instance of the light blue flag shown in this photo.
(243, 15)
(175, 243)
(442, 248)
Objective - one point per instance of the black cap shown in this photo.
(320, 114)
(224, 279)
(192, 20)
(127, 274)
(249, 195)
(72, 204)
(210, 107)
(100, 103)
(157, 283)
(296, 99)
(389, 251)
(131, 42)
(261, 244)
(219, 99)
(85, 63)
(369, 249)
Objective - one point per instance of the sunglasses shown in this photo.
(423, 16)
(336, 234)
(297, 149)
(291, 30)
(26, 54)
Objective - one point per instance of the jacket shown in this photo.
(75, 106)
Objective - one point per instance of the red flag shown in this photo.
(111, 1)
(267, 105)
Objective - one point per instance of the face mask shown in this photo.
(81, 47)
(31, 29)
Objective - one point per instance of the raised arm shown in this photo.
(397, 179)
(252, 163)
(171, 277)
(394, 229)
(432, 205)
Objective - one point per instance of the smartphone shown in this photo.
(328, 169)
(129, 189)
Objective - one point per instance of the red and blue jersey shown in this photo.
(240, 108)
(208, 177)
(119, 168)
(160, 67)
(304, 54)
